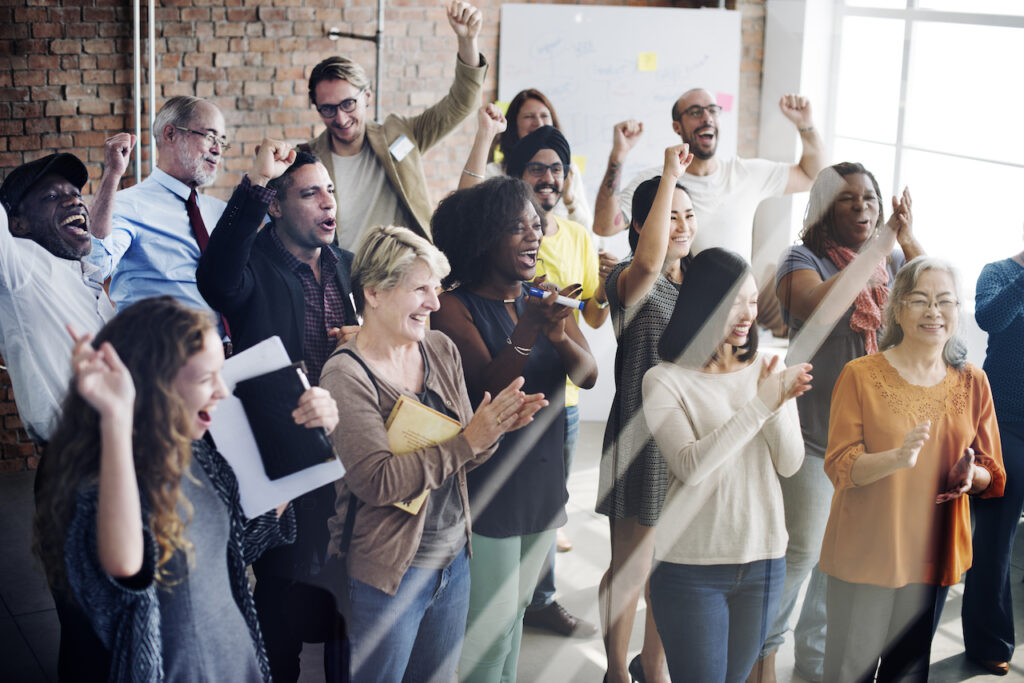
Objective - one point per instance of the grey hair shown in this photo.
(955, 351)
(176, 111)
(385, 256)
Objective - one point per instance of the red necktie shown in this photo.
(196, 220)
(202, 236)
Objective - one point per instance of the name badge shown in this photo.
(400, 148)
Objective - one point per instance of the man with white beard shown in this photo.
(161, 225)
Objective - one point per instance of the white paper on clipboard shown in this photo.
(230, 430)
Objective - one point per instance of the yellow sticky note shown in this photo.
(503, 106)
(581, 163)
(647, 61)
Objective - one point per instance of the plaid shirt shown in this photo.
(325, 308)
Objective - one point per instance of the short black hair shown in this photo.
(704, 305)
(470, 222)
(283, 182)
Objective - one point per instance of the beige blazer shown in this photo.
(424, 131)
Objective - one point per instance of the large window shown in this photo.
(928, 94)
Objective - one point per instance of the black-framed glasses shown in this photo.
(347, 105)
(697, 111)
(537, 169)
(222, 142)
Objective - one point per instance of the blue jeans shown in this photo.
(544, 595)
(987, 612)
(713, 618)
(415, 634)
(807, 497)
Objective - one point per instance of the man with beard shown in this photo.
(567, 258)
(379, 167)
(44, 282)
(287, 280)
(161, 225)
(46, 287)
(725, 192)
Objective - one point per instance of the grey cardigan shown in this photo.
(385, 538)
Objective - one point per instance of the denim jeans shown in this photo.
(987, 611)
(505, 572)
(415, 634)
(807, 497)
(544, 595)
(713, 618)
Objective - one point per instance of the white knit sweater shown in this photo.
(724, 449)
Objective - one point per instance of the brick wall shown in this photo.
(66, 81)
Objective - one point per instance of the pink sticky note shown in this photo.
(724, 100)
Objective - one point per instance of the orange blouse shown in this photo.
(890, 532)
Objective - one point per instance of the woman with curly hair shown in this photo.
(496, 133)
(844, 213)
(490, 234)
(139, 516)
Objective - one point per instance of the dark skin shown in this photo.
(53, 215)
(540, 317)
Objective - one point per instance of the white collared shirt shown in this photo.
(39, 295)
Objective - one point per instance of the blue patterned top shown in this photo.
(999, 310)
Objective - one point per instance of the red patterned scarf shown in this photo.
(870, 301)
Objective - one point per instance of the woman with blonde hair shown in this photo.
(408, 570)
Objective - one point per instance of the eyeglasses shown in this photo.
(347, 105)
(210, 137)
(921, 305)
(537, 169)
(697, 111)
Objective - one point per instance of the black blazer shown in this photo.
(243, 276)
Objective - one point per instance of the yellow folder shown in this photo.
(413, 426)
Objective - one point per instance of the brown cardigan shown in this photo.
(385, 538)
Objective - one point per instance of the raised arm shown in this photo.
(105, 384)
(490, 123)
(465, 21)
(608, 218)
(797, 109)
(222, 275)
(649, 257)
(117, 152)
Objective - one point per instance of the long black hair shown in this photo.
(703, 307)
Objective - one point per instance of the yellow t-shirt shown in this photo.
(568, 258)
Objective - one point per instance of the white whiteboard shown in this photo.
(595, 65)
(587, 61)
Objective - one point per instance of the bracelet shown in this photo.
(601, 305)
(470, 173)
(808, 129)
(521, 350)
(569, 206)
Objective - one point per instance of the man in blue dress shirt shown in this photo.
(161, 224)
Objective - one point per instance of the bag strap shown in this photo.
(350, 516)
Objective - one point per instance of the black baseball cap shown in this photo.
(19, 181)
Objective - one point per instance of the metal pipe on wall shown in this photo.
(152, 84)
(137, 94)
